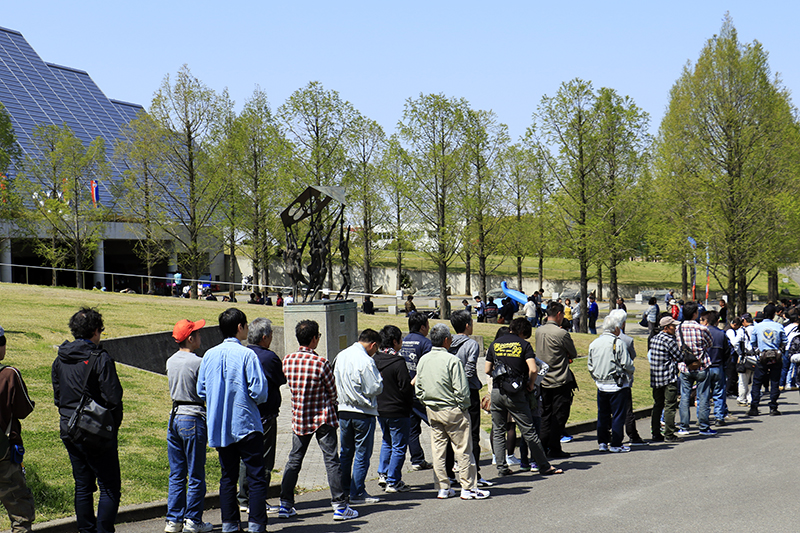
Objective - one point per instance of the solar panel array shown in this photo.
(36, 93)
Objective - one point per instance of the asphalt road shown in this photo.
(744, 479)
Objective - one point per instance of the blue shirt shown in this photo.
(768, 335)
(232, 382)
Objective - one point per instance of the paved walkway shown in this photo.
(744, 479)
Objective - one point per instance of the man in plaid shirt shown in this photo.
(313, 387)
(664, 357)
(697, 338)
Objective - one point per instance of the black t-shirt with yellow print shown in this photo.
(511, 351)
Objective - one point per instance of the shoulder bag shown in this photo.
(91, 423)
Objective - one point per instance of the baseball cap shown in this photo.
(184, 328)
(667, 321)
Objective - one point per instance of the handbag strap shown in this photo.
(90, 365)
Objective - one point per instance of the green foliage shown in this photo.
(727, 155)
(57, 178)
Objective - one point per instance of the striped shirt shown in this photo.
(313, 387)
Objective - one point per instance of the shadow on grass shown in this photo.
(51, 499)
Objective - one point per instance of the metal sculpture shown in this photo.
(318, 224)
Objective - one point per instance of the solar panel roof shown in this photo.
(38, 93)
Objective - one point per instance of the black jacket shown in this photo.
(69, 371)
(396, 399)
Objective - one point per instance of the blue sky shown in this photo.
(502, 55)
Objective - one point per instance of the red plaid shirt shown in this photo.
(310, 379)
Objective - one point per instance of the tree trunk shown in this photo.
(772, 285)
(541, 269)
(599, 282)
(231, 266)
(519, 273)
(482, 275)
(367, 269)
(468, 270)
(684, 281)
(613, 282)
(731, 291)
(584, 295)
(741, 300)
(443, 307)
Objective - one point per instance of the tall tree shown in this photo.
(140, 147)
(317, 123)
(263, 160)
(10, 156)
(394, 179)
(433, 130)
(58, 178)
(365, 142)
(567, 124)
(728, 144)
(623, 142)
(482, 209)
(188, 191)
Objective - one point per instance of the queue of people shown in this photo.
(229, 399)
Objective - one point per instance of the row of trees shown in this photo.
(585, 180)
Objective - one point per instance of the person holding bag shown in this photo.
(85, 380)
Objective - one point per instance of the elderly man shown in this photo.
(664, 358)
(611, 367)
(555, 347)
(259, 339)
(442, 386)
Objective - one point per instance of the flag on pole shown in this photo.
(95, 193)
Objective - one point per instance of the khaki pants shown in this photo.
(16, 496)
(452, 425)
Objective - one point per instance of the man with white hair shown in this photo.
(630, 419)
(611, 367)
(442, 386)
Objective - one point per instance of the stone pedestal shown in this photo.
(338, 325)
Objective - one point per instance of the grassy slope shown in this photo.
(35, 319)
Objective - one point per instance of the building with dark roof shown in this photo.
(37, 93)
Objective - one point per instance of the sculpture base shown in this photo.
(338, 325)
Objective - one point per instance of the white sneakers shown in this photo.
(603, 447)
(619, 449)
(446, 493)
(474, 494)
(189, 526)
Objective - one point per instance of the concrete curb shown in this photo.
(149, 511)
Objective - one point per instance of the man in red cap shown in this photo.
(187, 435)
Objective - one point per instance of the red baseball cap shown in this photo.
(184, 328)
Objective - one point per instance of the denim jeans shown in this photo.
(414, 432)
(717, 373)
(593, 325)
(327, 440)
(357, 439)
(393, 447)
(90, 464)
(611, 410)
(186, 452)
(270, 437)
(249, 450)
(704, 383)
(764, 373)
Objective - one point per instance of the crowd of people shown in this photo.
(229, 399)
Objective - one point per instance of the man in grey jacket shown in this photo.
(468, 351)
(358, 384)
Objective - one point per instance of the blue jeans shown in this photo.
(250, 451)
(717, 373)
(393, 447)
(186, 452)
(90, 464)
(593, 324)
(357, 436)
(704, 383)
(611, 410)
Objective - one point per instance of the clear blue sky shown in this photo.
(499, 55)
